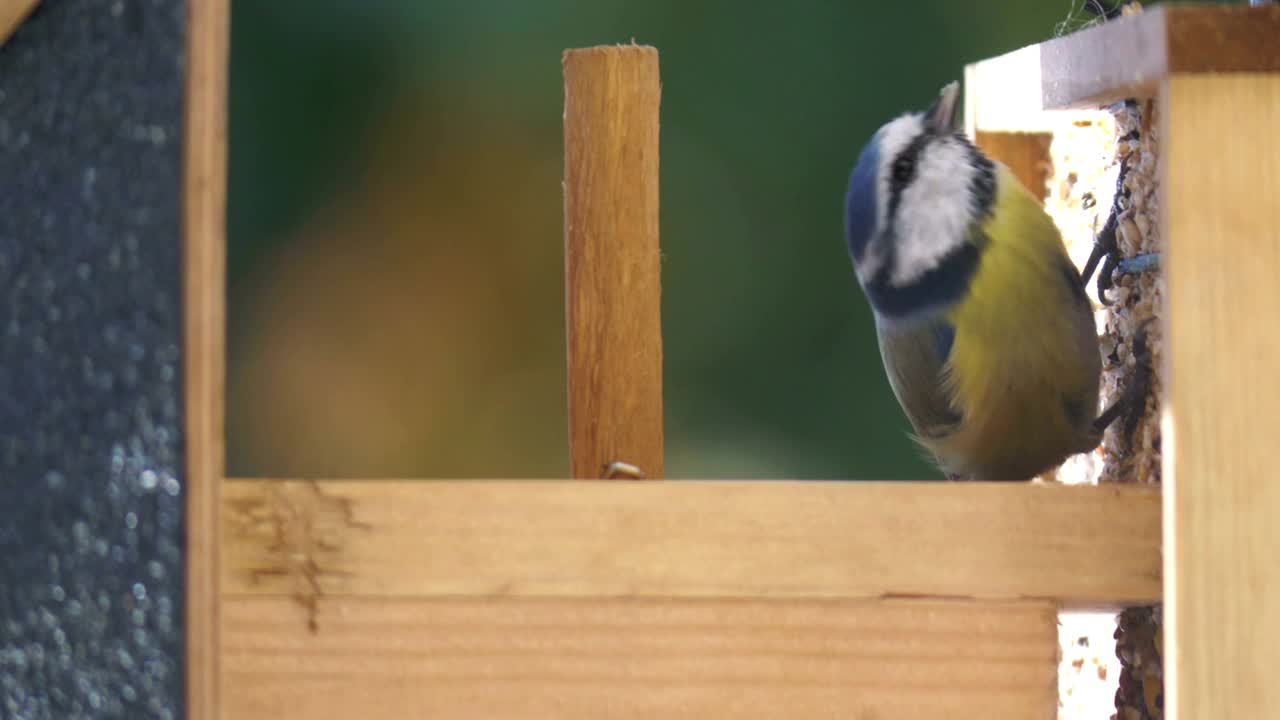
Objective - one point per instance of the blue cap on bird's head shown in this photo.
(860, 202)
(915, 189)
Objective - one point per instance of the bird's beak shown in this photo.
(940, 118)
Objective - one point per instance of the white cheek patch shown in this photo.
(934, 211)
(895, 136)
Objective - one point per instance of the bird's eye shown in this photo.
(903, 168)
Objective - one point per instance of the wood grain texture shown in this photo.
(1026, 154)
(1122, 58)
(670, 658)
(1220, 185)
(612, 263)
(204, 302)
(1130, 56)
(1230, 38)
(312, 540)
(12, 13)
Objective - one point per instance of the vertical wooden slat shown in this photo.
(1222, 497)
(1026, 154)
(204, 261)
(612, 264)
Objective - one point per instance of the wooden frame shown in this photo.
(1215, 73)
(568, 599)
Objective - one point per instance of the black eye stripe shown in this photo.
(905, 164)
(904, 161)
(904, 168)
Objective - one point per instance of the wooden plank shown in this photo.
(715, 538)
(1221, 178)
(12, 13)
(204, 261)
(1118, 59)
(612, 264)
(517, 657)
(1004, 95)
(1129, 56)
(1121, 58)
(1026, 154)
(1230, 38)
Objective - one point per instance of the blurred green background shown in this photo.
(394, 220)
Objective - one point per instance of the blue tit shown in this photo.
(985, 330)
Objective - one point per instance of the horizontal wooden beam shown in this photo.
(1122, 58)
(417, 539)
(1129, 56)
(522, 657)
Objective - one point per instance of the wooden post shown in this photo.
(204, 308)
(12, 13)
(1026, 154)
(1222, 497)
(612, 263)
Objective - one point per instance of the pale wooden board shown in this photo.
(12, 13)
(1128, 57)
(721, 538)
(519, 657)
(204, 304)
(1004, 95)
(1220, 189)
(612, 264)
(1118, 59)
(1026, 154)
(1121, 58)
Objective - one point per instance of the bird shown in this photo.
(984, 326)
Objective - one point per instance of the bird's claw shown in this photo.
(1133, 400)
(1106, 249)
(1109, 263)
(1135, 395)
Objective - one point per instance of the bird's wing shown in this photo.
(914, 359)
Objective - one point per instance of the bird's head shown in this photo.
(915, 197)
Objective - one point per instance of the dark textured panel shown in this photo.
(90, 403)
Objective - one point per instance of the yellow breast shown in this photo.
(1024, 366)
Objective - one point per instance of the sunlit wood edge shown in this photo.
(204, 337)
(1123, 58)
(746, 539)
